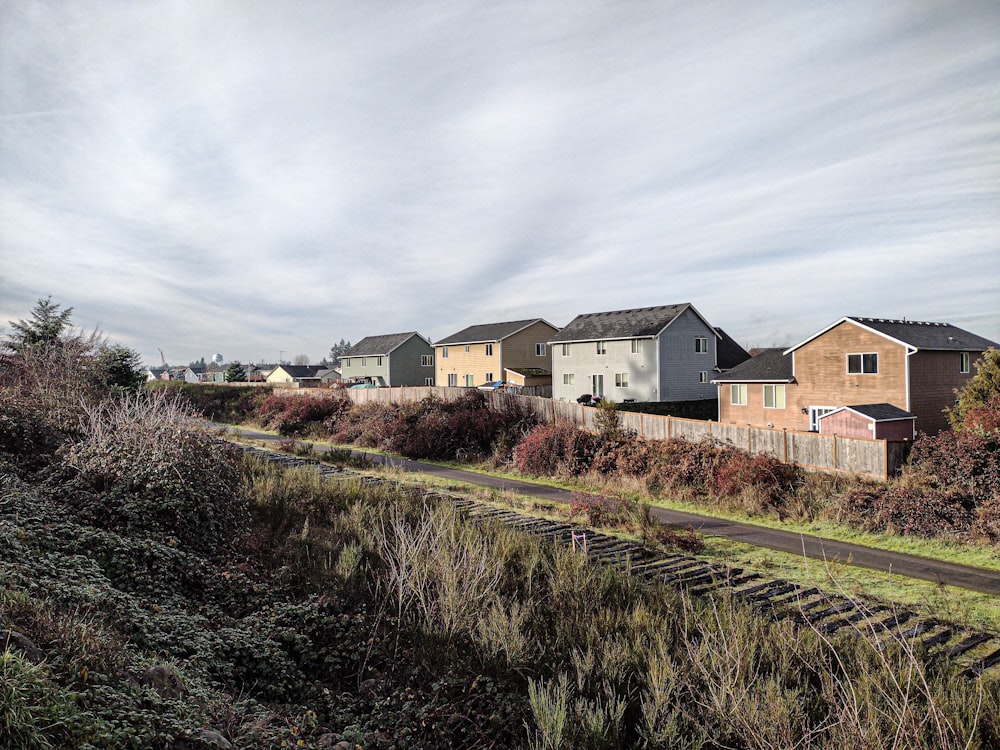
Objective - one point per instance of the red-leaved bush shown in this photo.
(600, 510)
(967, 460)
(551, 449)
(299, 415)
(901, 510)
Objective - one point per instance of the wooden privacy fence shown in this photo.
(880, 459)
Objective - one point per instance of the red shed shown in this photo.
(879, 421)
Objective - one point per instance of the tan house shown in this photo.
(295, 376)
(854, 362)
(480, 354)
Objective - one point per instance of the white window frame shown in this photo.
(965, 363)
(470, 381)
(703, 376)
(565, 350)
(539, 350)
(602, 347)
(426, 360)
(621, 380)
(861, 360)
(378, 361)
(453, 380)
(468, 348)
(636, 346)
(777, 398)
(569, 378)
(428, 381)
(701, 345)
(364, 361)
(346, 362)
(489, 350)
(489, 377)
(815, 412)
(738, 394)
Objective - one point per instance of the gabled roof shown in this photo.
(916, 334)
(641, 322)
(374, 346)
(728, 353)
(770, 366)
(490, 332)
(876, 412)
(301, 371)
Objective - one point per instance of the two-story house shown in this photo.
(480, 354)
(664, 353)
(854, 362)
(389, 359)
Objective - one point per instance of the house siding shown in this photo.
(679, 364)
(754, 412)
(515, 351)
(934, 377)
(371, 368)
(404, 364)
(584, 362)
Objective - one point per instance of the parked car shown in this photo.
(496, 385)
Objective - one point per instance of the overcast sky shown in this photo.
(261, 177)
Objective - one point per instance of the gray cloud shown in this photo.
(255, 177)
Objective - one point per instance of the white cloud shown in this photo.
(253, 176)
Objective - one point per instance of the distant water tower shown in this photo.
(217, 359)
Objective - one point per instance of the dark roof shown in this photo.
(770, 366)
(728, 353)
(530, 372)
(373, 346)
(918, 334)
(489, 332)
(641, 322)
(301, 371)
(878, 412)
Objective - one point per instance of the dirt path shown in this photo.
(911, 566)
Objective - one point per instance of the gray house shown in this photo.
(665, 353)
(391, 359)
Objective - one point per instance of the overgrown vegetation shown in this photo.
(160, 591)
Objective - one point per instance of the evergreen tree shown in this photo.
(120, 367)
(981, 394)
(337, 350)
(235, 373)
(46, 326)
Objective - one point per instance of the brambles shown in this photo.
(552, 449)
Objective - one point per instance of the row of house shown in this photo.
(857, 377)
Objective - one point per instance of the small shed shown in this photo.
(878, 421)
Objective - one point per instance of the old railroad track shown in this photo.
(975, 651)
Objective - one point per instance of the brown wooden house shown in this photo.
(913, 366)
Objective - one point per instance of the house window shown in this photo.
(539, 350)
(700, 345)
(466, 348)
(569, 378)
(452, 379)
(428, 381)
(565, 350)
(637, 346)
(470, 381)
(364, 361)
(378, 361)
(489, 350)
(774, 396)
(444, 352)
(347, 362)
(489, 377)
(862, 364)
(621, 380)
(703, 376)
(738, 394)
(602, 347)
(426, 360)
(964, 367)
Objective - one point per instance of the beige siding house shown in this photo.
(479, 354)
